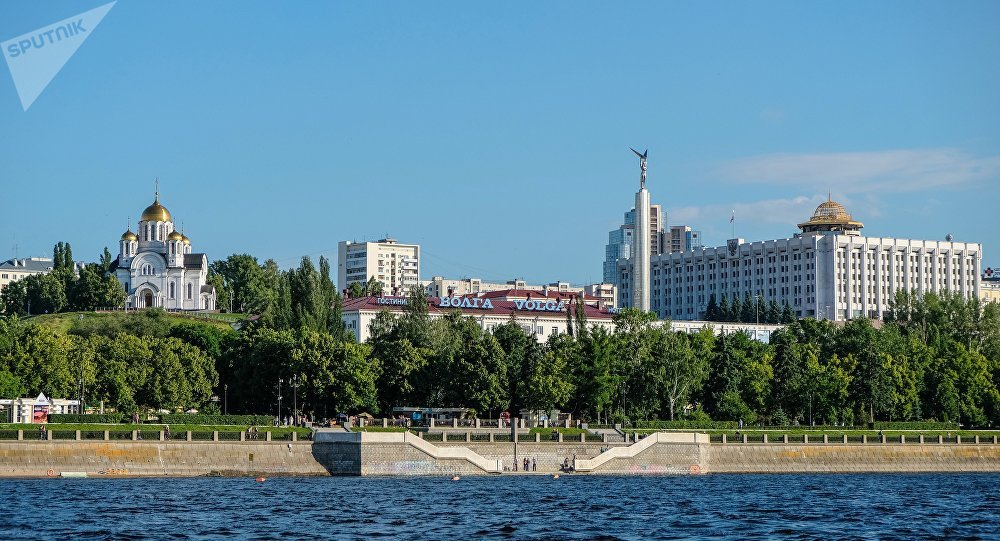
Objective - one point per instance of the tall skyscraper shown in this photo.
(620, 240)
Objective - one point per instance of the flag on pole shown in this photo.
(733, 217)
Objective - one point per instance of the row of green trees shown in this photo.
(748, 310)
(64, 288)
(302, 297)
(937, 357)
(125, 370)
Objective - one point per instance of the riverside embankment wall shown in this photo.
(406, 454)
(151, 459)
(889, 457)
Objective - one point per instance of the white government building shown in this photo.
(159, 269)
(827, 271)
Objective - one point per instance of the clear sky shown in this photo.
(496, 135)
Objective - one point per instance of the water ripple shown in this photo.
(531, 507)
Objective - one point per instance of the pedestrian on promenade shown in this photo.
(166, 432)
(534, 465)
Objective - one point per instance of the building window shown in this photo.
(190, 289)
(171, 290)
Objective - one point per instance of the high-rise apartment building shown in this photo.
(683, 238)
(395, 265)
(621, 240)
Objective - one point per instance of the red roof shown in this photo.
(500, 307)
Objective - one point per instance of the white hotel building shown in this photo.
(541, 314)
(828, 271)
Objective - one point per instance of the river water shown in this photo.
(825, 506)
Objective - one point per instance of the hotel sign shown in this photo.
(392, 301)
(486, 304)
(540, 306)
(465, 302)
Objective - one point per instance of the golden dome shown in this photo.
(129, 235)
(185, 240)
(830, 210)
(831, 216)
(156, 212)
(174, 235)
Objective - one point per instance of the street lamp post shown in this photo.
(279, 400)
(225, 399)
(295, 397)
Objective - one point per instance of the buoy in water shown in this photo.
(261, 479)
(455, 478)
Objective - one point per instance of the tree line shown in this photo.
(748, 310)
(936, 357)
(65, 288)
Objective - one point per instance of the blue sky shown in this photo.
(496, 135)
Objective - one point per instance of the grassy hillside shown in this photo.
(64, 322)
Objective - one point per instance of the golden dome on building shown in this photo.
(831, 216)
(129, 236)
(156, 212)
(175, 235)
(185, 239)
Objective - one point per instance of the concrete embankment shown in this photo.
(812, 458)
(154, 459)
(404, 454)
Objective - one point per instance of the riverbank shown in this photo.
(406, 454)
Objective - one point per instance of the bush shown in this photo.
(917, 425)
(702, 425)
(81, 418)
(202, 419)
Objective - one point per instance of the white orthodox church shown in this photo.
(157, 267)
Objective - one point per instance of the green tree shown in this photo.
(93, 290)
(373, 288)
(725, 312)
(310, 303)
(594, 381)
(356, 290)
(787, 313)
(749, 312)
(14, 299)
(242, 277)
(683, 370)
(632, 342)
(549, 385)
(712, 310)
(46, 293)
(521, 353)
(773, 313)
(106, 261)
(223, 296)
